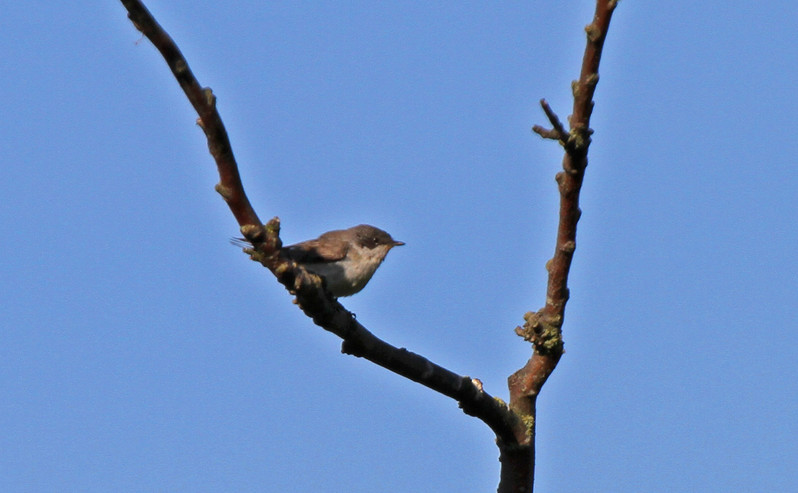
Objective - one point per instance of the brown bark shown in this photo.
(544, 327)
(514, 425)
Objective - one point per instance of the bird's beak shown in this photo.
(398, 243)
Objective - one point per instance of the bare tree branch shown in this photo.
(308, 288)
(514, 426)
(204, 102)
(544, 328)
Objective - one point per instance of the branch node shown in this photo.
(180, 68)
(352, 348)
(222, 190)
(568, 247)
(543, 331)
(254, 233)
(592, 80)
(266, 244)
(593, 32)
(529, 423)
(579, 139)
(210, 98)
(273, 226)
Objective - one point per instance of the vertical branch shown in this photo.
(544, 327)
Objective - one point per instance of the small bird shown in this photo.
(345, 258)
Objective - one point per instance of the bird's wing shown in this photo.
(315, 251)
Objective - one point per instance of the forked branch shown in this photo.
(514, 426)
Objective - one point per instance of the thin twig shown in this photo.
(558, 131)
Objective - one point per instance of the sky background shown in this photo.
(140, 351)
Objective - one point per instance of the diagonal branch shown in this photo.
(359, 341)
(310, 294)
(204, 102)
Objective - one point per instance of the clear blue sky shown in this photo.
(140, 351)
